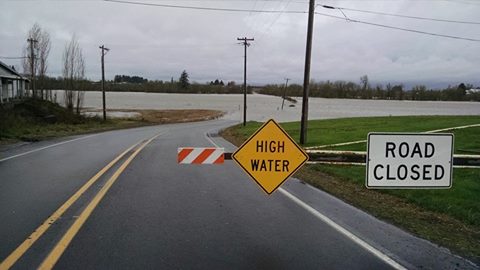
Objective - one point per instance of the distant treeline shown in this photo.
(129, 79)
(344, 89)
(149, 86)
(327, 89)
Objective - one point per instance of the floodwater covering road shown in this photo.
(264, 107)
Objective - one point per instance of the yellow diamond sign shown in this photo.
(270, 156)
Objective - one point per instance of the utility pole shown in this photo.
(245, 45)
(285, 91)
(306, 77)
(32, 65)
(104, 51)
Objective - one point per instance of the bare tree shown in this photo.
(364, 82)
(43, 52)
(33, 34)
(73, 74)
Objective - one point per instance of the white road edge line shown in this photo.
(46, 147)
(362, 141)
(344, 231)
(210, 139)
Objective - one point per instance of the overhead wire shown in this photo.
(254, 6)
(295, 12)
(204, 8)
(14, 57)
(274, 20)
(398, 28)
(463, 2)
(400, 15)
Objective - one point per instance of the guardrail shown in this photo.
(359, 158)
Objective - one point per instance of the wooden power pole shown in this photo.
(245, 45)
(104, 51)
(32, 65)
(285, 91)
(306, 78)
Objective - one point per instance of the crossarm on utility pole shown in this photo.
(104, 50)
(245, 44)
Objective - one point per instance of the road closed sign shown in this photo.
(270, 156)
(399, 160)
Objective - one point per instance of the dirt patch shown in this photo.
(178, 116)
(166, 116)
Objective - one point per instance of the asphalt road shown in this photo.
(162, 215)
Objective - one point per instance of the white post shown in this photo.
(7, 84)
(1, 91)
(14, 89)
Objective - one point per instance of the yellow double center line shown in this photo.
(60, 247)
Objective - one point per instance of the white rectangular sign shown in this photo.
(404, 160)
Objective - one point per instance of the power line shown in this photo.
(400, 15)
(254, 6)
(13, 57)
(462, 2)
(399, 28)
(274, 20)
(205, 8)
(294, 12)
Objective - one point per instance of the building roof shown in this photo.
(8, 72)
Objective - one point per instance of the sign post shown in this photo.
(270, 156)
(409, 161)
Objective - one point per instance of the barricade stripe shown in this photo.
(220, 159)
(200, 155)
(203, 156)
(183, 153)
(214, 156)
(191, 157)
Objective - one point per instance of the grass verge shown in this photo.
(450, 218)
(34, 120)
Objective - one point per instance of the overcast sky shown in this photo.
(159, 42)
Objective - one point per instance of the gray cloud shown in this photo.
(159, 43)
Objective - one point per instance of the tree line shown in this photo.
(363, 90)
(126, 83)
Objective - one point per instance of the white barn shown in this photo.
(12, 84)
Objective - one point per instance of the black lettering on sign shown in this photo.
(429, 150)
(375, 172)
(426, 172)
(439, 172)
(403, 149)
(415, 172)
(389, 176)
(270, 146)
(390, 147)
(416, 151)
(270, 165)
(402, 172)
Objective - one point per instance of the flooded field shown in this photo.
(263, 107)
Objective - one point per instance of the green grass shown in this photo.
(462, 201)
(332, 131)
(34, 119)
(449, 217)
